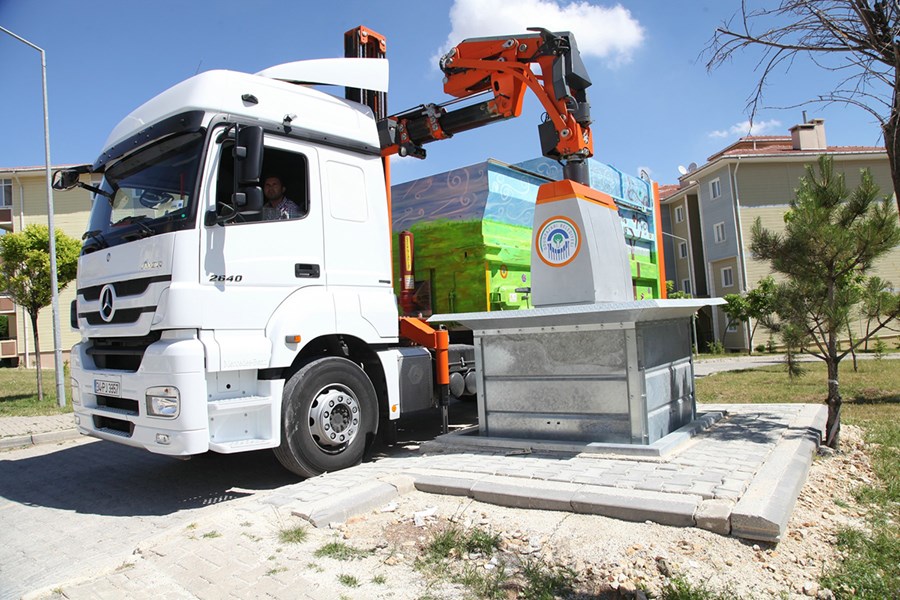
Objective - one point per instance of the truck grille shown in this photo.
(114, 426)
(121, 354)
(131, 287)
(122, 317)
(120, 405)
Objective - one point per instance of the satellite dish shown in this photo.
(692, 167)
(682, 170)
(645, 175)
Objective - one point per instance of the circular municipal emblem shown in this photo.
(558, 241)
(504, 272)
(107, 301)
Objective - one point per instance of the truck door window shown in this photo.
(292, 168)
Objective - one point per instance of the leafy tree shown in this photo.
(858, 39)
(831, 240)
(673, 294)
(755, 306)
(25, 273)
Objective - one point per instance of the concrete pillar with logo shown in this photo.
(579, 252)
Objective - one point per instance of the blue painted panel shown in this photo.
(460, 194)
(626, 190)
(511, 195)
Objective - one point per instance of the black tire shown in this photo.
(329, 412)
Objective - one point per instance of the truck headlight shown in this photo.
(163, 401)
(76, 393)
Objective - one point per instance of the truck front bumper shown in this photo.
(113, 404)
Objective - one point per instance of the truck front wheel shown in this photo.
(329, 411)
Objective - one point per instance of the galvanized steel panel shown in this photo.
(556, 354)
(663, 342)
(556, 396)
(598, 428)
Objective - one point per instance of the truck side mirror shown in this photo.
(248, 154)
(65, 179)
(248, 201)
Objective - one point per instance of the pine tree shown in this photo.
(831, 240)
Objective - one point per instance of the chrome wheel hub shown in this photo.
(334, 417)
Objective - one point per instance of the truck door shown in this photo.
(256, 263)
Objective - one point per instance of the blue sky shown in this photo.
(653, 103)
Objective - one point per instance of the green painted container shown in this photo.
(472, 237)
(472, 233)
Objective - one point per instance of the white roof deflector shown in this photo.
(362, 73)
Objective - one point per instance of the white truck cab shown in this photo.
(205, 327)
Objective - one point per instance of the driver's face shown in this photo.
(272, 189)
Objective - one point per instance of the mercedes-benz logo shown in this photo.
(107, 301)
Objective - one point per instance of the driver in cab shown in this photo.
(278, 206)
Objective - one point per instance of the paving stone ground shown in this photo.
(739, 477)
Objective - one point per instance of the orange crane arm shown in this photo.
(502, 68)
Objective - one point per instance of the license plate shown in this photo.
(106, 388)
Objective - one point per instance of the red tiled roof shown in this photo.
(788, 150)
(667, 190)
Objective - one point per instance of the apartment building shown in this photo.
(23, 201)
(711, 212)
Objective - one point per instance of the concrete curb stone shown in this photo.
(763, 511)
(21, 441)
(533, 494)
(636, 505)
(339, 508)
(715, 515)
(444, 484)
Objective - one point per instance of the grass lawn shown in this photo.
(871, 394)
(18, 393)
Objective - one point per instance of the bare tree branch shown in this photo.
(863, 34)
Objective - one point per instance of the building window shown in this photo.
(732, 328)
(682, 250)
(727, 277)
(715, 189)
(679, 214)
(686, 286)
(5, 192)
(719, 229)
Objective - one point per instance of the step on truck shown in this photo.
(206, 325)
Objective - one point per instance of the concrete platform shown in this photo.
(740, 476)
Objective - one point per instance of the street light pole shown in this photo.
(54, 284)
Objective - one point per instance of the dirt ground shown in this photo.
(607, 558)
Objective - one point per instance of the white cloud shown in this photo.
(743, 128)
(606, 32)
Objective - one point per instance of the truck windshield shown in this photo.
(150, 192)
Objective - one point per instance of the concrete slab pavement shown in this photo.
(17, 432)
(740, 476)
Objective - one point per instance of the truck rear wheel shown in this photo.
(329, 411)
